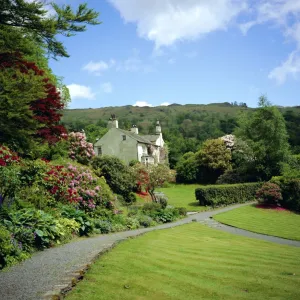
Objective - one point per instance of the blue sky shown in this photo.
(155, 52)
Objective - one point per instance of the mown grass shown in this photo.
(181, 195)
(193, 262)
(283, 224)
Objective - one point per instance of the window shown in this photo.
(124, 137)
(99, 151)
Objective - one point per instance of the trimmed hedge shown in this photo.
(225, 194)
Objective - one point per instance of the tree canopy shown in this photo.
(32, 21)
(266, 134)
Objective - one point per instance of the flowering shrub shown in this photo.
(9, 173)
(7, 157)
(76, 185)
(152, 177)
(80, 149)
(269, 193)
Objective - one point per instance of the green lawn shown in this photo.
(193, 262)
(183, 196)
(278, 223)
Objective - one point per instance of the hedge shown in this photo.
(225, 194)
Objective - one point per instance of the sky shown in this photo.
(159, 52)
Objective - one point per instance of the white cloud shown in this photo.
(290, 67)
(171, 61)
(191, 54)
(131, 64)
(284, 14)
(98, 67)
(107, 87)
(142, 103)
(80, 91)
(134, 63)
(145, 103)
(167, 22)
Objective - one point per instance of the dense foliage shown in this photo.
(117, 175)
(290, 190)
(265, 132)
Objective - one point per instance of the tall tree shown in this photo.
(30, 105)
(265, 132)
(212, 160)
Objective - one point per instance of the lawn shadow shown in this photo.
(194, 204)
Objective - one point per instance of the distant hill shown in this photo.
(147, 115)
(184, 127)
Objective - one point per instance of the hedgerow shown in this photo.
(225, 194)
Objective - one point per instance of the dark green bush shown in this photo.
(166, 215)
(27, 222)
(117, 175)
(7, 249)
(220, 195)
(236, 176)
(290, 190)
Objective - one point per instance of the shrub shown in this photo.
(84, 221)
(182, 211)
(152, 206)
(162, 200)
(290, 189)
(186, 168)
(9, 182)
(116, 227)
(212, 160)
(166, 215)
(70, 228)
(7, 249)
(132, 223)
(239, 175)
(80, 149)
(117, 175)
(130, 198)
(146, 221)
(105, 226)
(269, 193)
(219, 195)
(45, 228)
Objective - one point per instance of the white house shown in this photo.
(129, 145)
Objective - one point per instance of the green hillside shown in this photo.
(184, 127)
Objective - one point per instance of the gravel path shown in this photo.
(50, 269)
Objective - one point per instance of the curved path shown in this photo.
(56, 268)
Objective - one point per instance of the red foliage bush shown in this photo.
(46, 111)
(7, 156)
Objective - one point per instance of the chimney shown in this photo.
(158, 128)
(113, 123)
(134, 129)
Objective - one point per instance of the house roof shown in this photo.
(152, 137)
(139, 138)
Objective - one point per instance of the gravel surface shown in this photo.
(31, 279)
